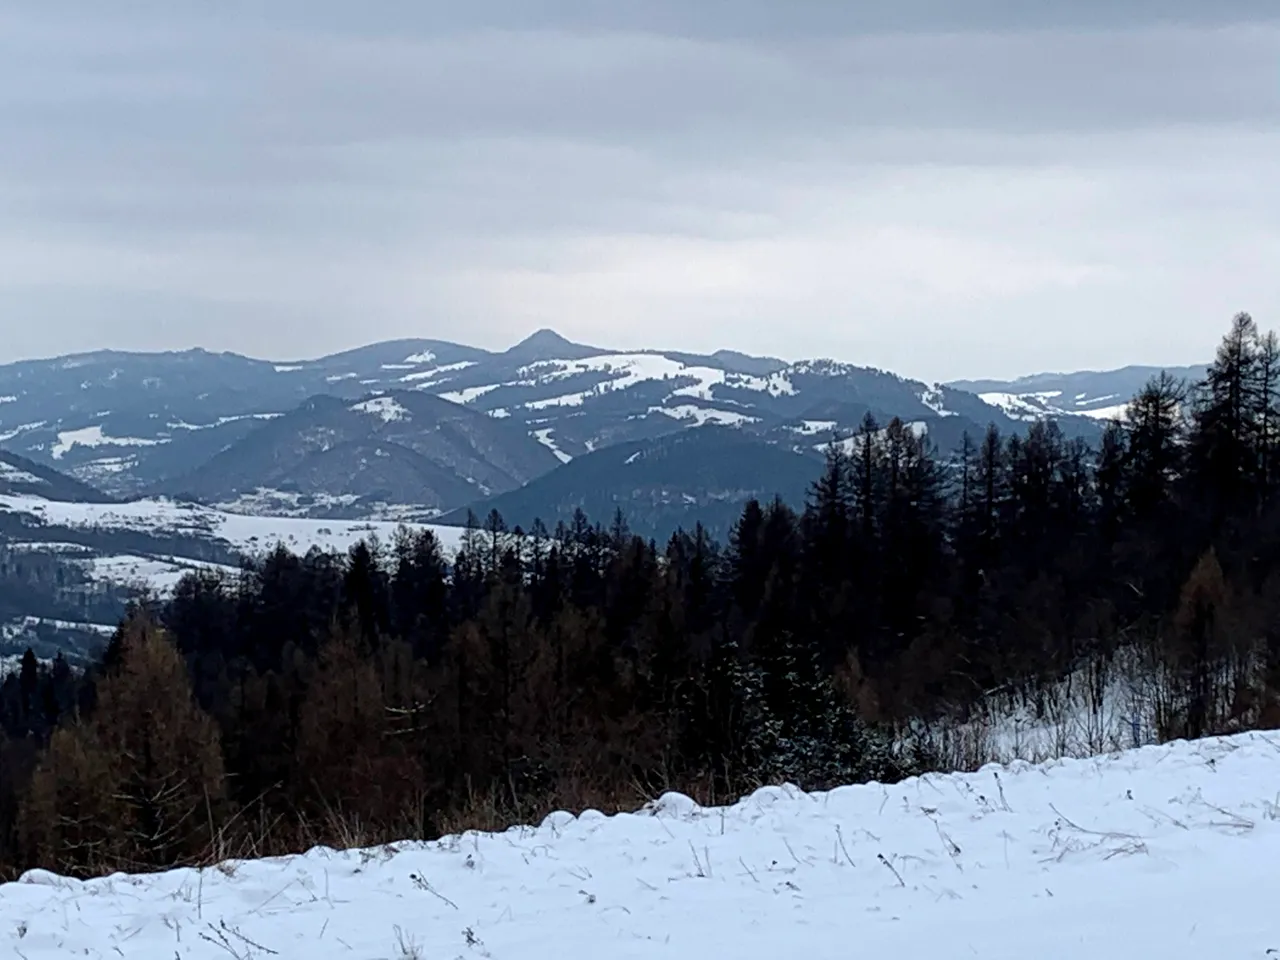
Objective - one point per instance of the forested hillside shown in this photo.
(393, 692)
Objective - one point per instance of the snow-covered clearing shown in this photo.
(11, 474)
(388, 408)
(158, 574)
(1116, 411)
(16, 628)
(469, 394)
(95, 437)
(1049, 403)
(8, 435)
(221, 421)
(701, 416)
(545, 438)
(621, 372)
(434, 373)
(849, 446)
(811, 428)
(1165, 852)
(935, 399)
(244, 532)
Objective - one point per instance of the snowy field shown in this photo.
(244, 532)
(1165, 852)
(160, 573)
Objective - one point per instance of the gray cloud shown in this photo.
(1029, 185)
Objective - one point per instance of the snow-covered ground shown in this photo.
(1106, 704)
(1165, 852)
(1051, 403)
(242, 531)
(160, 574)
(17, 627)
(245, 533)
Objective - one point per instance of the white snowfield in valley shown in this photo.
(1166, 852)
(242, 531)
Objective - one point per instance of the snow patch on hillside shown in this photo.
(544, 437)
(849, 445)
(701, 416)
(18, 431)
(935, 400)
(1050, 403)
(245, 533)
(470, 394)
(1021, 406)
(434, 373)
(221, 421)
(812, 428)
(23, 625)
(1116, 411)
(388, 409)
(11, 474)
(622, 371)
(95, 437)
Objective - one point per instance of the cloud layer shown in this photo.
(1021, 188)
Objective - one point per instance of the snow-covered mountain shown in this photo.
(254, 433)
(400, 455)
(1099, 395)
(1165, 852)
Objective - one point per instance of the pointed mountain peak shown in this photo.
(544, 336)
(546, 344)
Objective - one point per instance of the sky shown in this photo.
(946, 189)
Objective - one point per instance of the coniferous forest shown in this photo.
(395, 693)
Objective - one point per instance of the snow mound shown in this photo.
(1165, 852)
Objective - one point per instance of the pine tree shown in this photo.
(1227, 443)
(1267, 416)
(1109, 481)
(1155, 433)
(140, 783)
(1196, 651)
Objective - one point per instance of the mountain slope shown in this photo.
(697, 475)
(1099, 395)
(130, 424)
(333, 457)
(18, 475)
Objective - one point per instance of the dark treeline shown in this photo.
(393, 693)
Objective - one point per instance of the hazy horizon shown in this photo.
(668, 348)
(987, 193)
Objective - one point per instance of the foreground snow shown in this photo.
(1166, 852)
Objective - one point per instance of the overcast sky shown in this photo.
(946, 188)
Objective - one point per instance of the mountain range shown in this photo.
(1097, 394)
(123, 470)
(422, 428)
